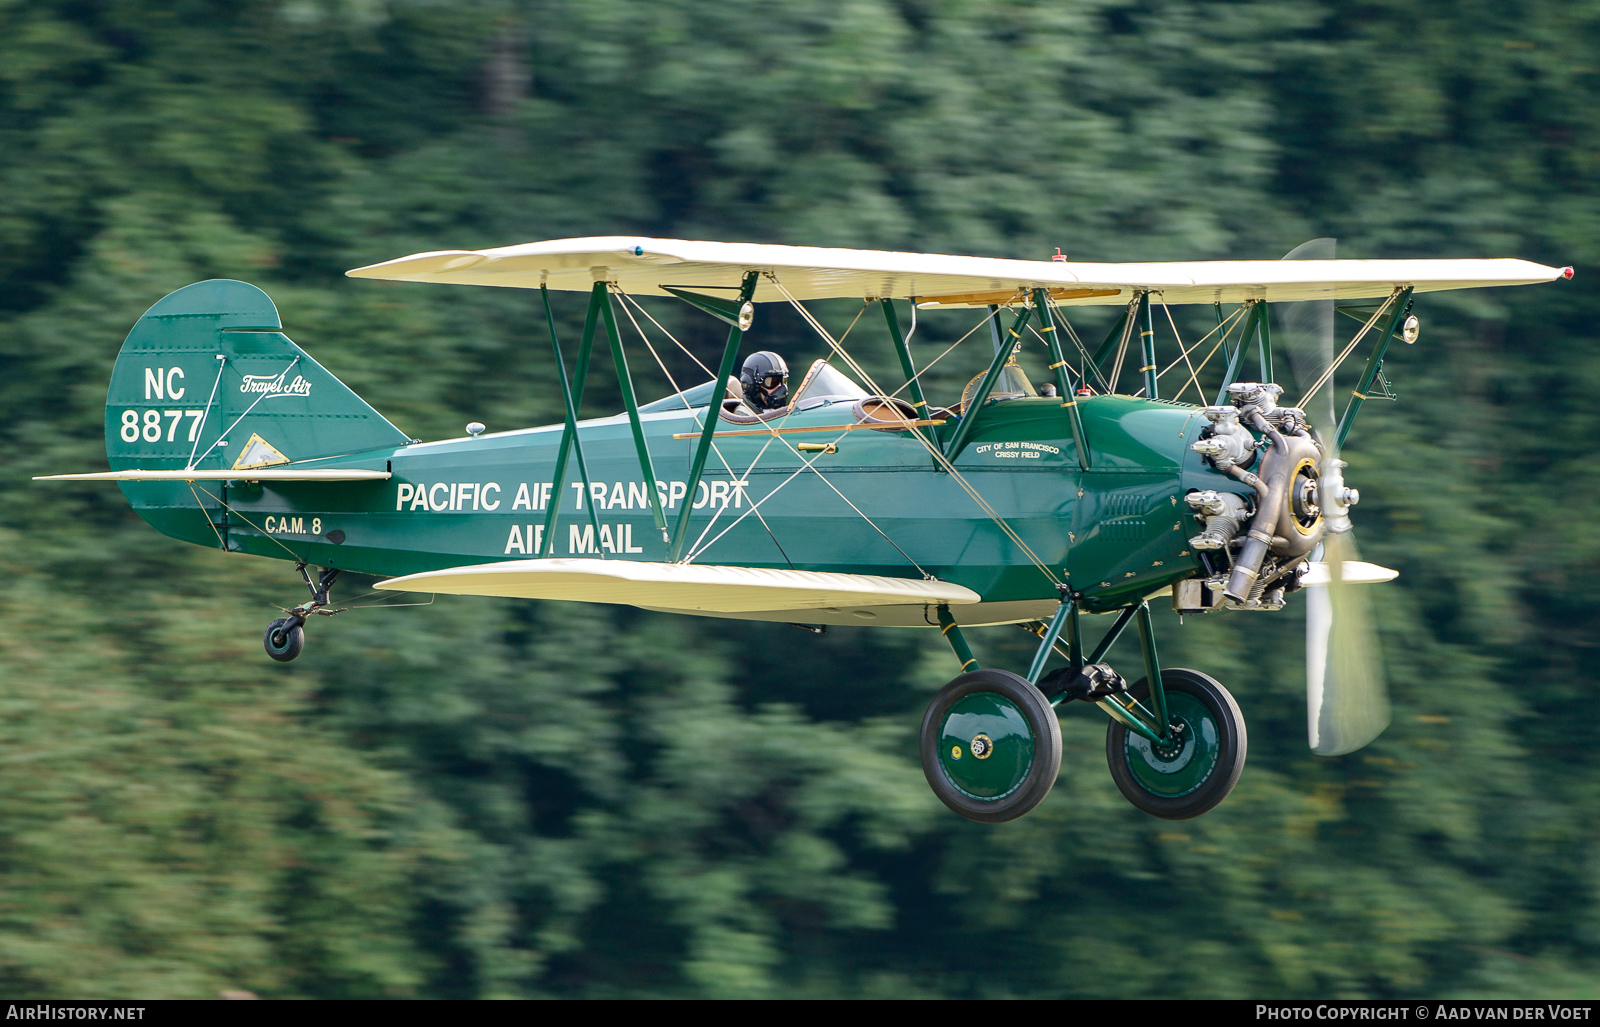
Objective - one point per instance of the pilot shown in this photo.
(765, 378)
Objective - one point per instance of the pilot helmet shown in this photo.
(765, 378)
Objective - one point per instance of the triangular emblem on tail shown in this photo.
(258, 452)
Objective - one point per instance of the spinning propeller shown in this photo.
(1347, 702)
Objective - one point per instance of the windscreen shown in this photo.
(825, 380)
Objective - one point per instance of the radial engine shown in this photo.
(1257, 548)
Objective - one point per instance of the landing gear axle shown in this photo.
(1195, 767)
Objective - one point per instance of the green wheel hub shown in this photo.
(1179, 768)
(985, 746)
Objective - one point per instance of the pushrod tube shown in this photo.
(1264, 339)
(1112, 338)
(1251, 319)
(1275, 472)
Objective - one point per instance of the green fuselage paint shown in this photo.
(1116, 531)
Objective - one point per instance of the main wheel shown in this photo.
(991, 746)
(1196, 773)
(284, 639)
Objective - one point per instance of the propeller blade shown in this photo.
(1355, 573)
(1347, 702)
(1305, 333)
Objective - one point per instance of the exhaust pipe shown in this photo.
(1275, 468)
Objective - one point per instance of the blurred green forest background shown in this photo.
(485, 798)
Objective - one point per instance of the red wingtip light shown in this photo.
(1566, 272)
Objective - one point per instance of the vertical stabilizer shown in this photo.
(208, 379)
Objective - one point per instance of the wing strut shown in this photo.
(625, 379)
(969, 413)
(573, 396)
(1147, 346)
(713, 415)
(913, 383)
(1402, 307)
(1080, 442)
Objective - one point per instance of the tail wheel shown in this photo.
(284, 639)
(1196, 772)
(991, 746)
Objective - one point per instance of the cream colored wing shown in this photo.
(643, 266)
(707, 588)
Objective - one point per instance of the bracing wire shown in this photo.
(696, 548)
(1225, 327)
(246, 413)
(932, 449)
(242, 517)
(715, 402)
(806, 464)
(930, 365)
(222, 363)
(1122, 344)
(1323, 379)
(209, 522)
(1182, 351)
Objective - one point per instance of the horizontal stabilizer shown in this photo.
(254, 474)
(710, 588)
(1355, 573)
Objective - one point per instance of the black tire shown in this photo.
(989, 705)
(284, 639)
(1170, 784)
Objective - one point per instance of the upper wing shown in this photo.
(678, 586)
(642, 266)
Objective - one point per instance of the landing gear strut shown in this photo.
(286, 636)
(991, 745)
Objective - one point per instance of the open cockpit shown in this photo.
(825, 385)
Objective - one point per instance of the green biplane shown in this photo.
(854, 503)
